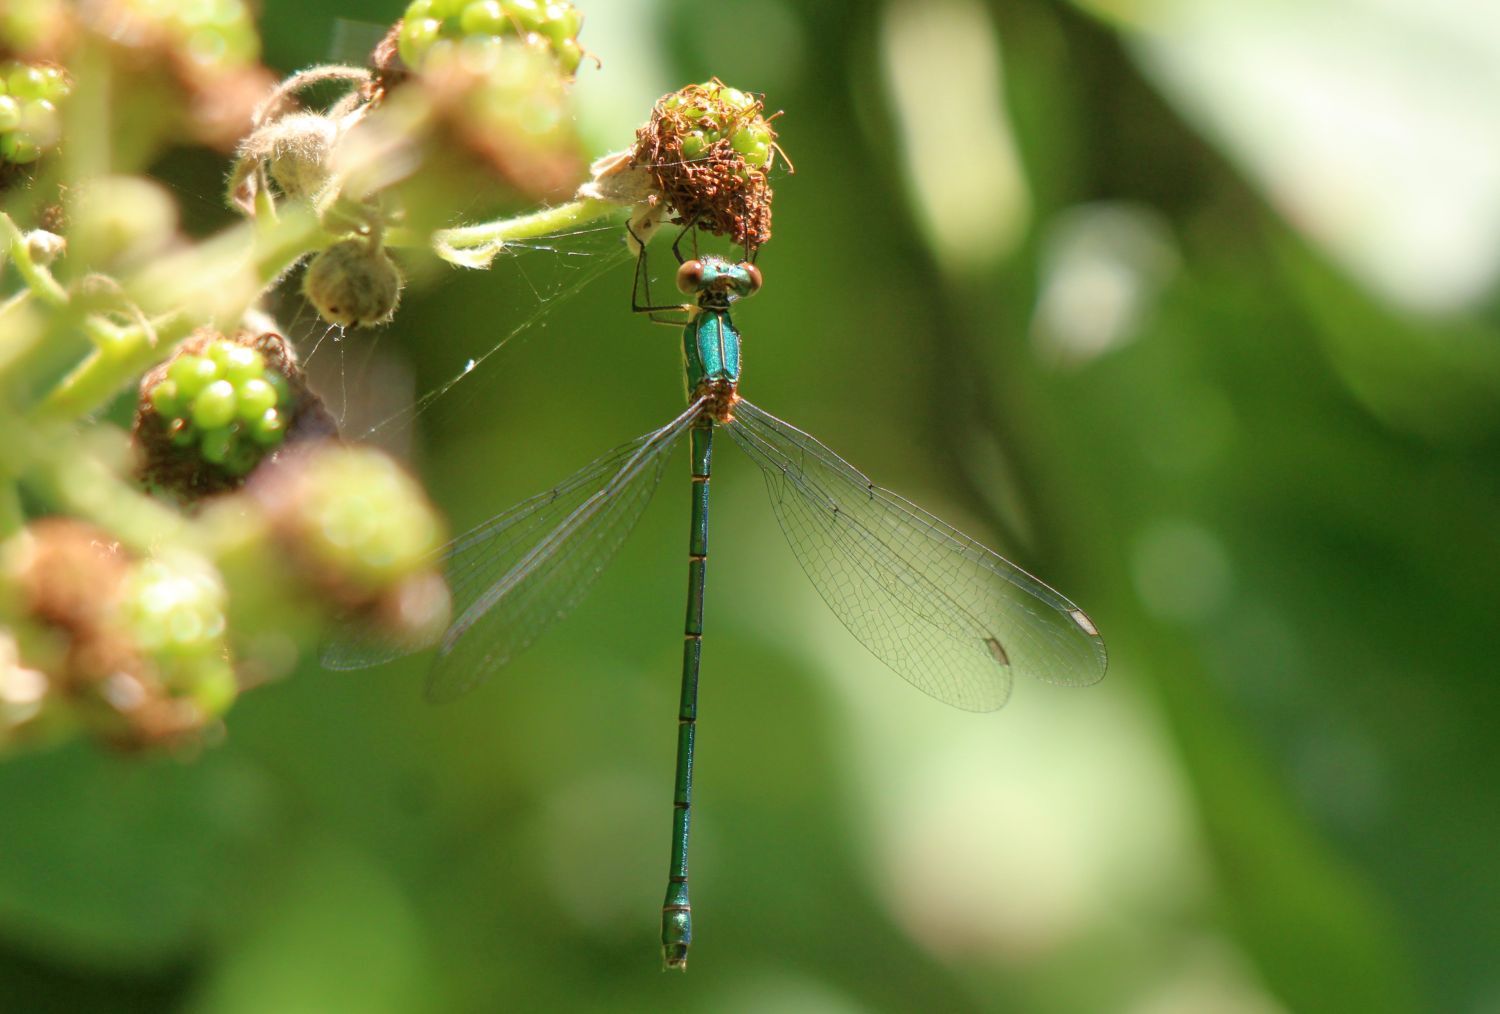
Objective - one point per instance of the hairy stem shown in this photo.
(475, 246)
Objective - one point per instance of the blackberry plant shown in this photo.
(145, 584)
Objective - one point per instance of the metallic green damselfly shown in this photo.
(951, 617)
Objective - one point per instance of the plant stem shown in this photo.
(37, 278)
(476, 245)
(213, 283)
(122, 354)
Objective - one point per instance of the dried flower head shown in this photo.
(708, 148)
(140, 657)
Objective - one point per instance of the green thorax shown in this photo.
(711, 342)
(711, 350)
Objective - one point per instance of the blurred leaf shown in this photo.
(121, 864)
(333, 934)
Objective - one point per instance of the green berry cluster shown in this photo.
(29, 94)
(362, 516)
(431, 26)
(174, 614)
(133, 650)
(709, 148)
(227, 401)
(213, 33)
(715, 111)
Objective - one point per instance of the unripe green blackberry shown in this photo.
(174, 614)
(494, 109)
(134, 650)
(353, 283)
(212, 413)
(357, 513)
(708, 148)
(183, 71)
(174, 610)
(29, 124)
(363, 534)
(471, 26)
(713, 112)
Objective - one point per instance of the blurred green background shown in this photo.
(1189, 307)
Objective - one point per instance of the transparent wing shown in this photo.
(477, 559)
(522, 571)
(508, 589)
(351, 644)
(948, 615)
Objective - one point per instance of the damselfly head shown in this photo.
(716, 275)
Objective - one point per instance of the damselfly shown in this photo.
(951, 617)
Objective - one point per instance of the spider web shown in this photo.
(366, 376)
(369, 378)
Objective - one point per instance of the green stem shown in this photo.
(213, 283)
(476, 245)
(37, 278)
(122, 353)
(59, 466)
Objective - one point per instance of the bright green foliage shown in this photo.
(436, 25)
(29, 95)
(228, 401)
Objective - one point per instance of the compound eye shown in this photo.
(690, 276)
(753, 273)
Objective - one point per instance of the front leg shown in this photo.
(642, 288)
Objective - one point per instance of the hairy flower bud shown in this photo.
(353, 283)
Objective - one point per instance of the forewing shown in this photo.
(951, 617)
(522, 572)
(474, 561)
